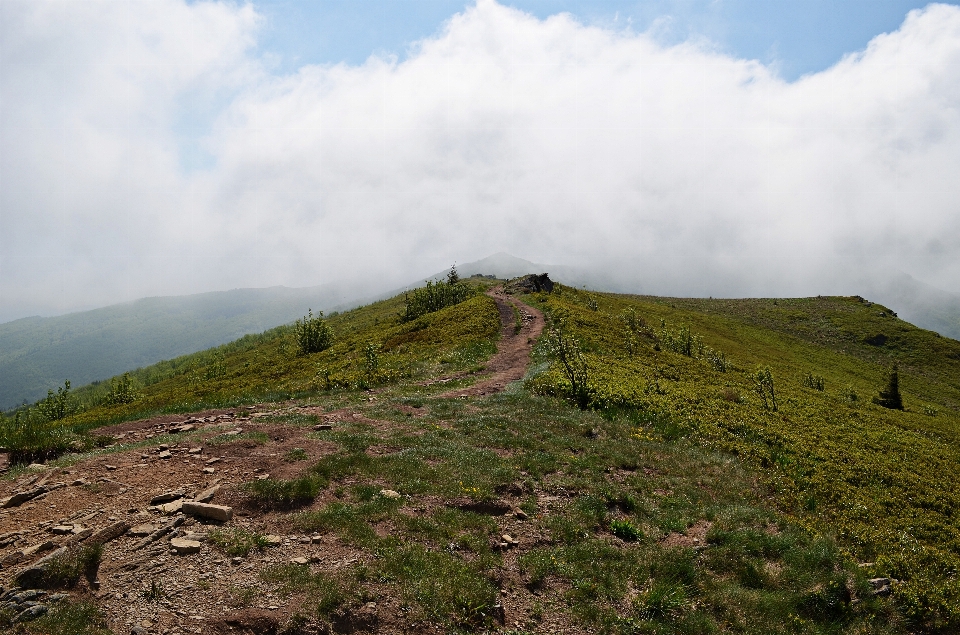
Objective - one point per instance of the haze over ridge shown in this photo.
(678, 169)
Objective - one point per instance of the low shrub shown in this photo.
(312, 333)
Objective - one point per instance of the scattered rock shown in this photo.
(22, 497)
(206, 495)
(322, 426)
(300, 560)
(520, 514)
(142, 530)
(165, 454)
(531, 284)
(194, 450)
(171, 508)
(110, 468)
(185, 546)
(109, 532)
(31, 613)
(159, 533)
(46, 545)
(389, 493)
(881, 586)
(215, 459)
(219, 513)
(272, 540)
(167, 497)
(62, 530)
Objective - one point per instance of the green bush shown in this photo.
(433, 297)
(313, 334)
(30, 437)
(122, 391)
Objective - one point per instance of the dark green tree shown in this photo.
(890, 398)
(452, 276)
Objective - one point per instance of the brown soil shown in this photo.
(512, 358)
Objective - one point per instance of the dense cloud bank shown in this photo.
(146, 148)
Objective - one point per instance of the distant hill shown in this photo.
(918, 303)
(37, 354)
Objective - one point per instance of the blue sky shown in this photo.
(798, 36)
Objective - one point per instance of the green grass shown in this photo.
(237, 541)
(884, 482)
(68, 618)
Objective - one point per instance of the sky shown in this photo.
(684, 147)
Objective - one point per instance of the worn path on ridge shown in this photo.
(512, 358)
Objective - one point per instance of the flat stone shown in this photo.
(272, 540)
(171, 508)
(166, 497)
(389, 493)
(110, 468)
(215, 459)
(165, 454)
(209, 470)
(185, 546)
(300, 560)
(322, 426)
(220, 513)
(142, 530)
(206, 495)
(62, 530)
(199, 536)
(194, 450)
(46, 545)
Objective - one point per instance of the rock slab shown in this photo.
(220, 513)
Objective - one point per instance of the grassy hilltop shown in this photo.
(653, 487)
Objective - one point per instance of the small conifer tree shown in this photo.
(452, 276)
(890, 398)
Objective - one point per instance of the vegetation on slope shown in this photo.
(675, 499)
(884, 482)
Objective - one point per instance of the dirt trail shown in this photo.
(512, 358)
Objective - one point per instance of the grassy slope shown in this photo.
(884, 482)
(881, 482)
(37, 354)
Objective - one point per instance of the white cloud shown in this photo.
(684, 169)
